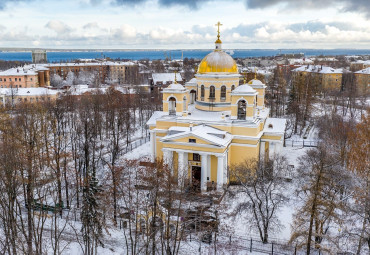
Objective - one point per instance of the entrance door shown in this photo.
(196, 174)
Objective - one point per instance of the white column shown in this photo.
(182, 163)
(168, 159)
(152, 145)
(220, 172)
(262, 151)
(203, 177)
(209, 168)
(226, 167)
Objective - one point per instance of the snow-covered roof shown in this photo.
(364, 71)
(104, 63)
(18, 72)
(192, 81)
(274, 126)
(215, 136)
(28, 91)
(365, 62)
(155, 116)
(166, 77)
(301, 61)
(255, 82)
(317, 69)
(244, 89)
(82, 88)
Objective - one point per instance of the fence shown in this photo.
(133, 145)
(274, 247)
(300, 143)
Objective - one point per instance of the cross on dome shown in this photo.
(218, 29)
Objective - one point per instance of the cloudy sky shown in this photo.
(185, 24)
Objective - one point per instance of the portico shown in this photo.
(211, 173)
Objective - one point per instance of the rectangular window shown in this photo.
(4, 79)
(192, 140)
(16, 79)
(196, 157)
(1, 79)
(10, 79)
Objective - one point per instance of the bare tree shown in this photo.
(263, 183)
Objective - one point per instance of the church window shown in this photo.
(232, 87)
(196, 157)
(242, 109)
(192, 140)
(202, 92)
(212, 92)
(223, 93)
(172, 106)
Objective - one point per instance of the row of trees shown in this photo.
(54, 156)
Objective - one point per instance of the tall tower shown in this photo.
(39, 56)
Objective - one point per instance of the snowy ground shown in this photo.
(114, 239)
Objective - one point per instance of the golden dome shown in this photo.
(218, 62)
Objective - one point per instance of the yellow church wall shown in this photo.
(270, 137)
(240, 153)
(235, 99)
(207, 108)
(165, 124)
(240, 141)
(250, 111)
(159, 146)
(194, 148)
(186, 140)
(165, 106)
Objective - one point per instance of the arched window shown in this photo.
(212, 92)
(202, 92)
(232, 87)
(172, 106)
(193, 96)
(242, 109)
(223, 93)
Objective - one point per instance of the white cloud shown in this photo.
(58, 26)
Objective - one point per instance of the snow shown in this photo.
(364, 71)
(18, 72)
(155, 116)
(255, 82)
(317, 69)
(165, 77)
(28, 91)
(274, 125)
(174, 86)
(140, 152)
(243, 89)
(203, 132)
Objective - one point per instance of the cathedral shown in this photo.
(212, 123)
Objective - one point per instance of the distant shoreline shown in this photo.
(5, 49)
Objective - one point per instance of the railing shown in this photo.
(300, 143)
(237, 243)
(133, 145)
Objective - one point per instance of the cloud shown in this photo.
(360, 6)
(91, 25)
(3, 3)
(191, 4)
(59, 27)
